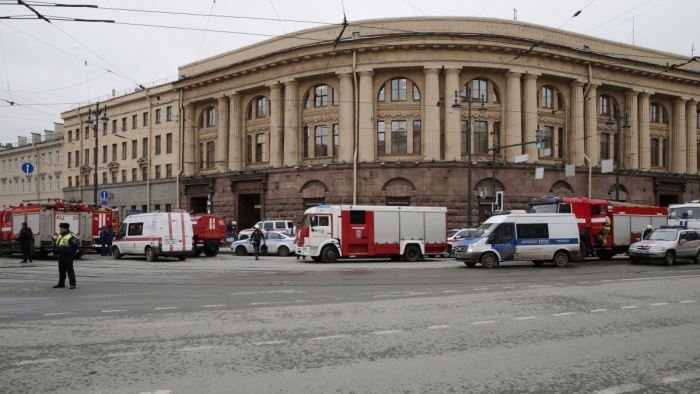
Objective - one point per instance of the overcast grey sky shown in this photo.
(49, 68)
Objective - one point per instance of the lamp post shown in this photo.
(95, 129)
(610, 122)
(469, 99)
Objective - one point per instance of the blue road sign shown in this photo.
(27, 168)
(104, 203)
(104, 194)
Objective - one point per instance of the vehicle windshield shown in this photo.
(306, 221)
(451, 233)
(545, 208)
(684, 213)
(483, 229)
(663, 235)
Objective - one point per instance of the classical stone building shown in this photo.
(367, 115)
(44, 180)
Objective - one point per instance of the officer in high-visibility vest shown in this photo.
(66, 245)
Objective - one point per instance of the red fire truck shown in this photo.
(625, 222)
(100, 219)
(329, 232)
(7, 244)
(44, 218)
(209, 233)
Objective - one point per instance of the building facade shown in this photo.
(43, 181)
(378, 113)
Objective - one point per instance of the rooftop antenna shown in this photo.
(632, 30)
(515, 14)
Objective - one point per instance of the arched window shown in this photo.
(210, 117)
(398, 89)
(321, 96)
(607, 105)
(381, 96)
(480, 90)
(416, 93)
(547, 97)
(258, 107)
(697, 117)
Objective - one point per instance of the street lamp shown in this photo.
(610, 122)
(95, 129)
(469, 99)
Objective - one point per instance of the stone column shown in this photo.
(190, 149)
(347, 118)
(431, 117)
(644, 135)
(678, 153)
(576, 133)
(453, 117)
(367, 149)
(530, 114)
(236, 141)
(691, 108)
(292, 155)
(222, 151)
(591, 125)
(630, 146)
(276, 125)
(512, 133)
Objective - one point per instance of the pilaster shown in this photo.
(691, 108)
(346, 123)
(513, 126)
(276, 125)
(530, 114)
(431, 128)
(453, 126)
(367, 149)
(292, 136)
(592, 144)
(644, 135)
(189, 154)
(678, 154)
(576, 133)
(222, 148)
(630, 146)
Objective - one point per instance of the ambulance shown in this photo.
(153, 235)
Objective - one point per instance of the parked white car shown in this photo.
(666, 245)
(279, 243)
(276, 225)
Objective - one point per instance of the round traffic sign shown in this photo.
(104, 194)
(104, 203)
(27, 168)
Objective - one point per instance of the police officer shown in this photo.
(256, 238)
(66, 245)
(25, 243)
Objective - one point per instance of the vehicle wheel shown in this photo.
(316, 258)
(560, 259)
(696, 259)
(669, 258)
(283, 251)
(211, 251)
(411, 253)
(604, 254)
(241, 250)
(488, 260)
(182, 257)
(196, 252)
(585, 249)
(330, 254)
(447, 252)
(116, 254)
(151, 255)
(395, 257)
(470, 265)
(537, 263)
(635, 260)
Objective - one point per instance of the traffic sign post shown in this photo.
(27, 168)
(104, 194)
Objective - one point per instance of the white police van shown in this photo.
(537, 237)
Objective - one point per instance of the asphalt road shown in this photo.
(232, 324)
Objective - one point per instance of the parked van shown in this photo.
(537, 237)
(153, 235)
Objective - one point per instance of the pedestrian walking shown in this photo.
(26, 237)
(256, 238)
(66, 245)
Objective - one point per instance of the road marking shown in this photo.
(659, 303)
(563, 314)
(481, 288)
(385, 332)
(416, 293)
(302, 300)
(450, 291)
(267, 343)
(584, 282)
(328, 337)
(438, 327)
(630, 307)
(259, 303)
(686, 301)
(508, 287)
(214, 306)
(525, 318)
(38, 361)
(113, 310)
(3, 316)
(661, 277)
(195, 349)
(57, 313)
(162, 308)
(681, 378)
(269, 273)
(124, 354)
(598, 310)
(478, 323)
(382, 295)
(606, 280)
(156, 392)
(623, 388)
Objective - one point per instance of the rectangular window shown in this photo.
(77, 158)
(50, 159)
(655, 152)
(321, 96)
(114, 176)
(114, 125)
(496, 134)
(134, 121)
(381, 135)
(123, 150)
(307, 141)
(169, 143)
(560, 143)
(70, 183)
(86, 180)
(70, 135)
(321, 137)
(43, 158)
(398, 89)
(69, 161)
(168, 114)
(336, 138)
(465, 137)
(547, 99)
(123, 124)
(605, 146)
(664, 151)
(260, 151)
(481, 137)
(399, 136)
(249, 150)
(157, 172)
(201, 155)
(104, 178)
(211, 154)
(134, 149)
(43, 184)
(77, 181)
(261, 110)
(157, 145)
(114, 152)
(336, 100)
(87, 132)
(144, 145)
(134, 178)
(532, 230)
(655, 113)
(548, 141)
(87, 156)
(145, 118)
(168, 170)
(158, 115)
(358, 217)
(135, 228)
(124, 176)
(168, 207)
(144, 173)
(698, 156)
(104, 153)
(416, 136)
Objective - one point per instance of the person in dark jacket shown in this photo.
(256, 238)
(106, 237)
(66, 245)
(25, 242)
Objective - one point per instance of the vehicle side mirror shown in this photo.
(682, 241)
(636, 239)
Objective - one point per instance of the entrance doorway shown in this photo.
(198, 204)
(248, 210)
(667, 199)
